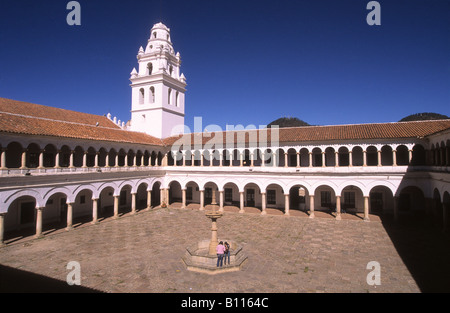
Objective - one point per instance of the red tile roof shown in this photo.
(33, 119)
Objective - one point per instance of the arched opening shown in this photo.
(141, 196)
(21, 219)
(292, 157)
(149, 68)
(371, 156)
(304, 157)
(317, 157)
(402, 155)
(141, 95)
(49, 156)
(56, 211)
(386, 156)
(330, 157)
(418, 155)
(211, 195)
(411, 201)
(252, 198)
(32, 155)
(324, 199)
(231, 197)
(343, 157)
(78, 156)
(357, 156)
(152, 94)
(125, 199)
(352, 200)
(175, 195)
(192, 195)
(156, 194)
(82, 207)
(14, 155)
(105, 203)
(381, 200)
(64, 156)
(298, 198)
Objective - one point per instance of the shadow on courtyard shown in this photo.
(13, 280)
(424, 249)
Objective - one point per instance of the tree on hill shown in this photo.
(288, 122)
(424, 117)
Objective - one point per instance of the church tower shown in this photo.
(158, 87)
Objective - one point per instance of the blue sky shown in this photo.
(246, 62)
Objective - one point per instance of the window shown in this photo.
(169, 95)
(176, 99)
(271, 196)
(149, 68)
(123, 197)
(141, 96)
(189, 193)
(349, 199)
(152, 94)
(325, 198)
(228, 195)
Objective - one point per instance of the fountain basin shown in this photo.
(198, 259)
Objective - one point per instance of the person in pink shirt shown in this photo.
(220, 249)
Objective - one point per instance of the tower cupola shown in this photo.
(158, 87)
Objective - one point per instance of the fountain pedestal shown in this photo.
(202, 257)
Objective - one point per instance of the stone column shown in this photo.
(183, 198)
(116, 161)
(149, 199)
(252, 155)
(379, 157)
(241, 159)
(85, 159)
(285, 159)
(364, 158)
(263, 203)
(221, 158)
(350, 158)
(39, 222)
(323, 159)
(394, 157)
(2, 228)
(116, 207)
(336, 158)
(71, 159)
(231, 158)
(96, 159)
(2, 158)
(41, 158)
(366, 208)
(94, 211)
(57, 159)
(311, 206)
(202, 200)
(286, 204)
(241, 202)
(310, 159)
(410, 157)
(24, 159)
(338, 208)
(220, 200)
(298, 159)
(69, 216)
(133, 203)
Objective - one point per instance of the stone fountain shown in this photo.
(202, 256)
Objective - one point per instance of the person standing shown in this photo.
(220, 249)
(226, 253)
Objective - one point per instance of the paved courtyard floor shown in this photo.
(142, 253)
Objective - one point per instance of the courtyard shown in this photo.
(286, 254)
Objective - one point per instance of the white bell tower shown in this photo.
(158, 87)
